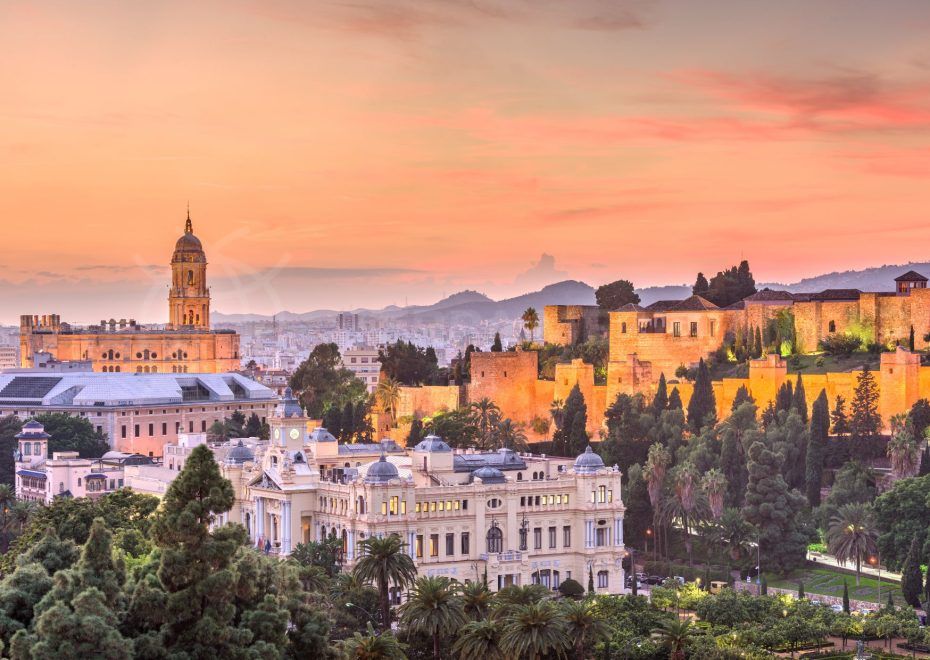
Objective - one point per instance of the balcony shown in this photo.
(503, 557)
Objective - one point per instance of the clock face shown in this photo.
(277, 434)
(295, 434)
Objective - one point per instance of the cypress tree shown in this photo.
(497, 346)
(865, 423)
(845, 597)
(701, 285)
(817, 448)
(911, 581)
(838, 417)
(799, 400)
(590, 580)
(702, 408)
(660, 401)
(757, 349)
(742, 396)
(674, 400)
(910, 339)
(890, 604)
(785, 397)
(800, 589)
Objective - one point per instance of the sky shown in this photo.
(362, 153)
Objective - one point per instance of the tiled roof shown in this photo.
(769, 295)
(694, 304)
(911, 276)
(662, 305)
(837, 294)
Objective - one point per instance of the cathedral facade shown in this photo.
(185, 345)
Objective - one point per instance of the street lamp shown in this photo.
(649, 536)
(877, 562)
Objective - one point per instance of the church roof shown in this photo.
(910, 276)
(188, 247)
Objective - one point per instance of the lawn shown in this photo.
(807, 364)
(825, 582)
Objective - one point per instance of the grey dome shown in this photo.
(320, 434)
(240, 454)
(489, 475)
(288, 406)
(381, 472)
(432, 443)
(588, 462)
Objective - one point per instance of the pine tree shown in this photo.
(838, 418)
(775, 510)
(416, 432)
(660, 401)
(702, 408)
(738, 431)
(674, 400)
(572, 437)
(845, 597)
(701, 285)
(497, 346)
(817, 448)
(194, 568)
(799, 400)
(865, 423)
(911, 578)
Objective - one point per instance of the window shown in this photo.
(464, 505)
(164, 428)
(713, 328)
(151, 429)
(552, 537)
(694, 328)
(450, 545)
(567, 536)
(537, 538)
(601, 494)
(394, 505)
(384, 508)
(495, 539)
(600, 537)
(27, 447)
(832, 326)
(465, 543)
(434, 545)
(419, 552)
(623, 328)
(676, 329)
(122, 431)
(602, 578)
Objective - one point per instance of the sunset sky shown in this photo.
(368, 152)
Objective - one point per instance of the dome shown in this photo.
(32, 429)
(240, 454)
(188, 247)
(320, 434)
(489, 475)
(432, 443)
(381, 472)
(588, 462)
(288, 406)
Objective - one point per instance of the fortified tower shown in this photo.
(189, 300)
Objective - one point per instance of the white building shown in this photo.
(363, 362)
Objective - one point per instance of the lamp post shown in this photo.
(877, 562)
(649, 536)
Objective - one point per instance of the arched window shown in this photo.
(495, 539)
(117, 368)
(154, 370)
(519, 476)
(36, 449)
(832, 326)
(139, 369)
(190, 277)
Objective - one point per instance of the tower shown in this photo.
(189, 299)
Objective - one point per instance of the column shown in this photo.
(259, 517)
(618, 531)
(412, 544)
(286, 527)
(350, 551)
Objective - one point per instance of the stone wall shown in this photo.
(566, 325)
(427, 400)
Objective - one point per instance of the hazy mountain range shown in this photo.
(470, 307)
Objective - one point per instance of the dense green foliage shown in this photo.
(322, 383)
(615, 295)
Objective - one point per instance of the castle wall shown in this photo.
(566, 325)
(427, 400)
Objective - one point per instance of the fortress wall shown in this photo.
(566, 325)
(427, 400)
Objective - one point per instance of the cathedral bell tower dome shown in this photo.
(189, 300)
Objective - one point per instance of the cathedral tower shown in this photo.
(189, 300)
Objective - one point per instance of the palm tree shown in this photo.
(487, 415)
(480, 640)
(714, 485)
(733, 535)
(903, 448)
(584, 626)
(476, 599)
(510, 435)
(383, 562)
(387, 393)
(531, 322)
(372, 647)
(851, 535)
(674, 635)
(18, 516)
(534, 631)
(685, 505)
(656, 466)
(509, 598)
(433, 608)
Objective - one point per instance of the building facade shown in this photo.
(139, 413)
(363, 362)
(185, 345)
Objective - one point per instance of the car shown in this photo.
(836, 607)
(716, 586)
(654, 579)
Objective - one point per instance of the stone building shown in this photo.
(567, 325)
(185, 345)
(520, 518)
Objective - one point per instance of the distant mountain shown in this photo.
(651, 294)
(878, 278)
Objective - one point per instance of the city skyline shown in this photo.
(360, 155)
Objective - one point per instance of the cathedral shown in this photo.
(185, 345)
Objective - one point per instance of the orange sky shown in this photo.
(377, 151)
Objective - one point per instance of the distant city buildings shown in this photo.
(363, 362)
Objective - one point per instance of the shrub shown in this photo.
(819, 361)
(836, 344)
(571, 588)
(681, 371)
